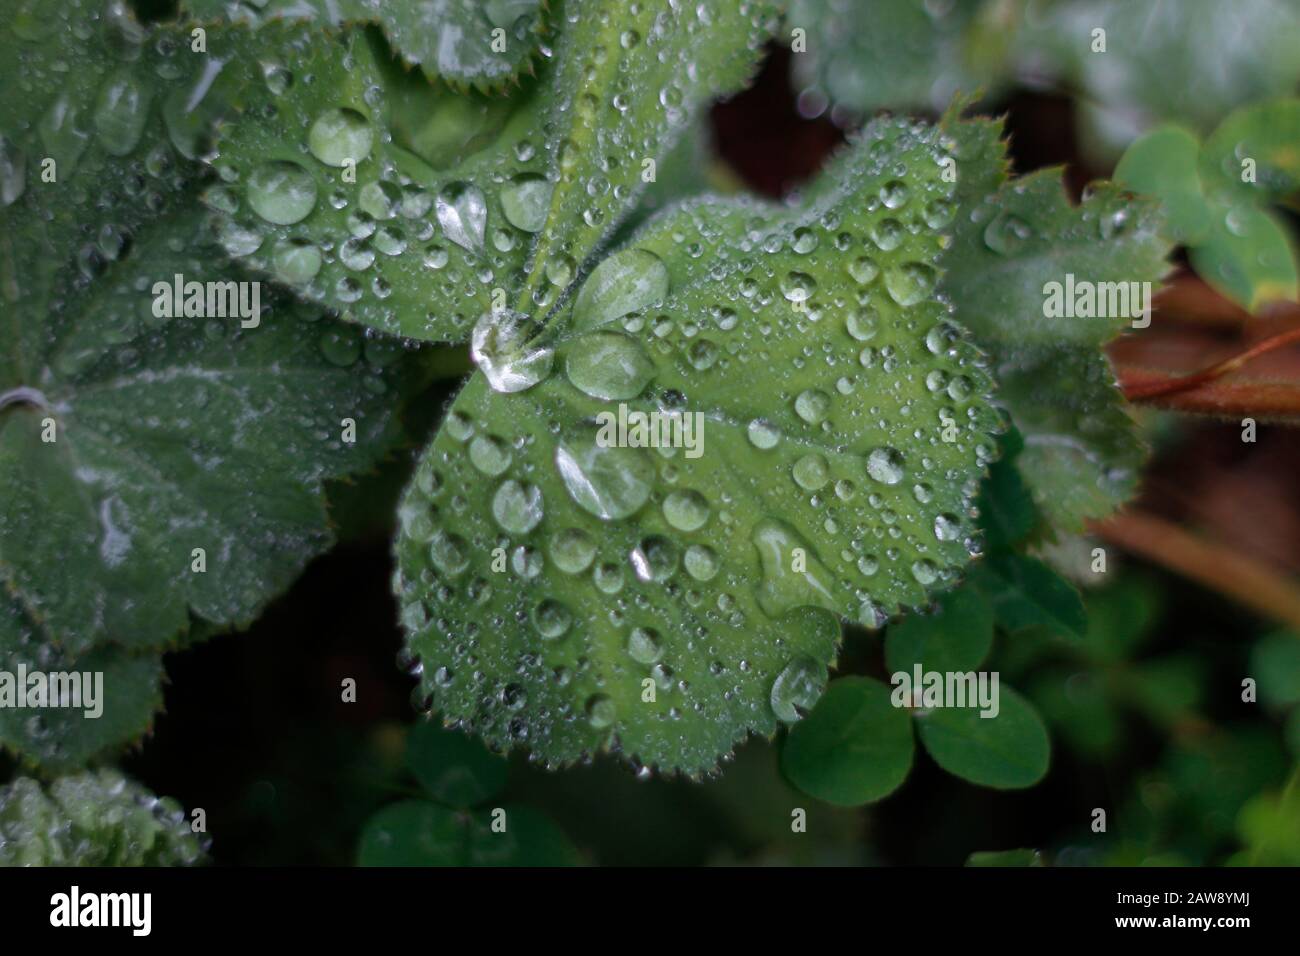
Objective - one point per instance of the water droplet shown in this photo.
(1006, 233)
(686, 510)
(525, 200)
(887, 234)
(295, 261)
(572, 550)
(654, 559)
(911, 282)
(885, 465)
(503, 347)
(340, 136)
(608, 482)
(863, 270)
(13, 171)
(552, 619)
(805, 241)
(609, 366)
(121, 112)
(601, 712)
(894, 194)
(811, 472)
(797, 688)
(625, 282)
(281, 192)
(812, 406)
(449, 553)
(862, 323)
(947, 527)
(643, 645)
(798, 286)
(517, 507)
(462, 213)
(701, 562)
(762, 435)
(489, 454)
(792, 574)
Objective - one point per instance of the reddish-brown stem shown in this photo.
(1150, 389)
(1252, 582)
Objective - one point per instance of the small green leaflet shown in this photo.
(856, 746)
(96, 818)
(1008, 751)
(1215, 197)
(567, 595)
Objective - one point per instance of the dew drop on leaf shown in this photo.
(281, 192)
(339, 136)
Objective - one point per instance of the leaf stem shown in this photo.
(1252, 582)
(1155, 388)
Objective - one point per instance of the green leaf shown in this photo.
(426, 251)
(418, 833)
(1249, 256)
(1008, 751)
(97, 818)
(452, 768)
(895, 54)
(1026, 593)
(1007, 512)
(522, 533)
(1164, 164)
(1082, 455)
(1266, 133)
(957, 637)
(855, 747)
(1275, 665)
(1022, 857)
(128, 440)
(479, 43)
(125, 696)
(1018, 242)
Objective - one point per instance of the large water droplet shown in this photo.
(610, 483)
(643, 645)
(517, 507)
(295, 261)
(489, 454)
(340, 136)
(812, 406)
(503, 348)
(525, 200)
(281, 192)
(120, 113)
(885, 465)
(13, 171)
(792, 574)
(1006, 233)
(462, 213)
(686, 510)
(625, 282)
(797, 689)
(911, 282)
(609, 366)
(572, 550)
